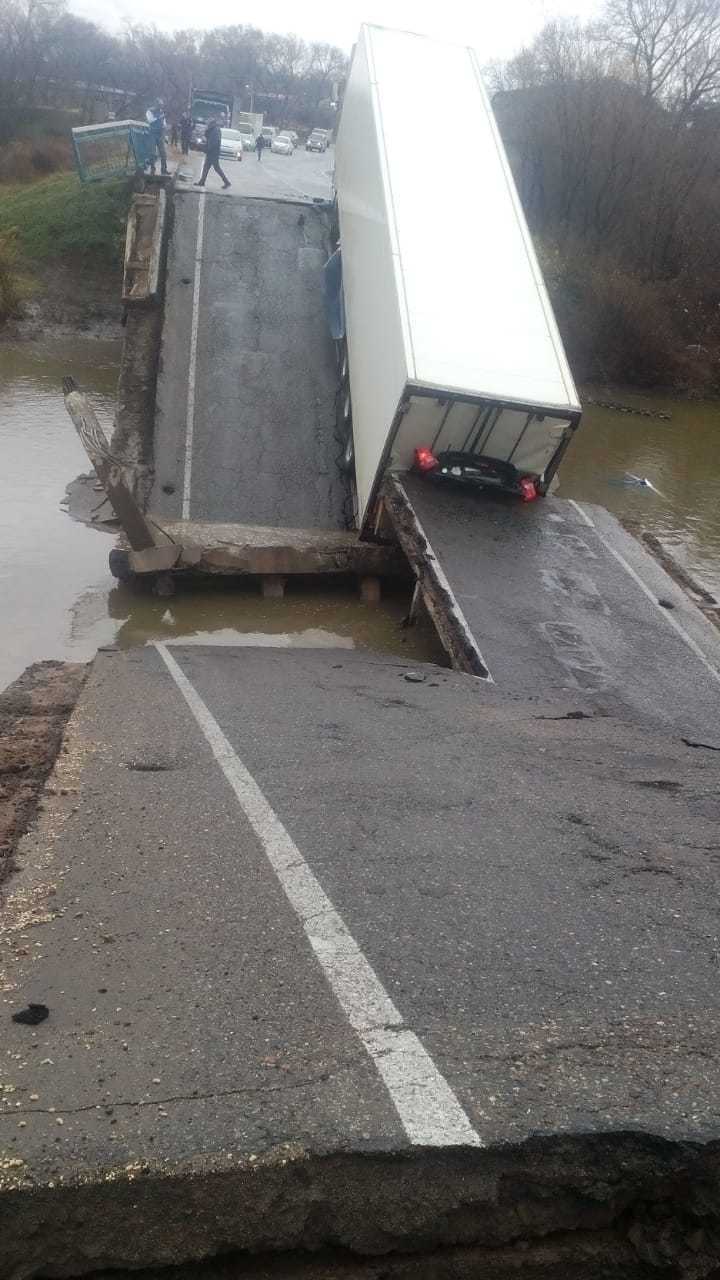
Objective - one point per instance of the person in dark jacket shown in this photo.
(259, 145)
(185, 132)
(212, 154)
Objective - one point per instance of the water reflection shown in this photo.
(46, 560)
(219, 613)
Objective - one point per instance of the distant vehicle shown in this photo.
(204, 105)
(231, 144)
(269, 132)
(282, 145)
(250, 125)
(316, 142)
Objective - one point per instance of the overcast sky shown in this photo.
(497, 28)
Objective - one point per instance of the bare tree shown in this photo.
(670, 47)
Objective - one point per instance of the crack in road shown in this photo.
(159, 1102)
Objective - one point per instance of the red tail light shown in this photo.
(425, 459)
(528, 492)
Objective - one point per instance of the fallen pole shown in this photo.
(109, 471)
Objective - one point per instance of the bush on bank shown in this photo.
(25, 159)
(621, 328)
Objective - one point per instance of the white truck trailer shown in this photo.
(250, 125)
(453, 347)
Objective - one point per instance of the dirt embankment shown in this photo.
(67, 301)
(33, 714)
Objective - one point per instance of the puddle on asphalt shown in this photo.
(58, 598)
(331, 617)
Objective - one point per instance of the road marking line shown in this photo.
(192, 367)
(428, 1109)
(583, 514)
(671, 621)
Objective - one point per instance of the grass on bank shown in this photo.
(61, 218)
(58, 220)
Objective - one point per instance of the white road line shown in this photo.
(428, 1109)
(671, 621)
(583, 514)
(192, 366)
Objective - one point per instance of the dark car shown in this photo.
(316, 142)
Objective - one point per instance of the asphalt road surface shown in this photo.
(415, 912)
(246, 388)
(560, 597)
(305, 175)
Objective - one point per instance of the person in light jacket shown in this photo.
(155, 116)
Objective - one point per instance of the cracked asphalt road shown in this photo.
(537, 904)
(561, 597)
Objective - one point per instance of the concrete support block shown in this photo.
(370, 590)
(273, 587)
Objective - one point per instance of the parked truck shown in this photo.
(206, 103)
(456, 366)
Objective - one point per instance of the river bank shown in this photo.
(61, 252)
(34, 710)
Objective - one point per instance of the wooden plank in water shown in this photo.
(107, 468)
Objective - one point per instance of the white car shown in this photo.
(231, 144)
(282, 145)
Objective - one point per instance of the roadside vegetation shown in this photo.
(62, 218)
(612, 132)
(58, 221)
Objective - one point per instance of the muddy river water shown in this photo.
(58, 599)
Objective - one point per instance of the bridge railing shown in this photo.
(111, 150)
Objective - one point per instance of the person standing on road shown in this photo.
(259, 146)
(213, 138)
(155, 116)
(185, 132)
(174, 134)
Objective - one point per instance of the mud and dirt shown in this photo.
(69, 300)
(33, 714)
